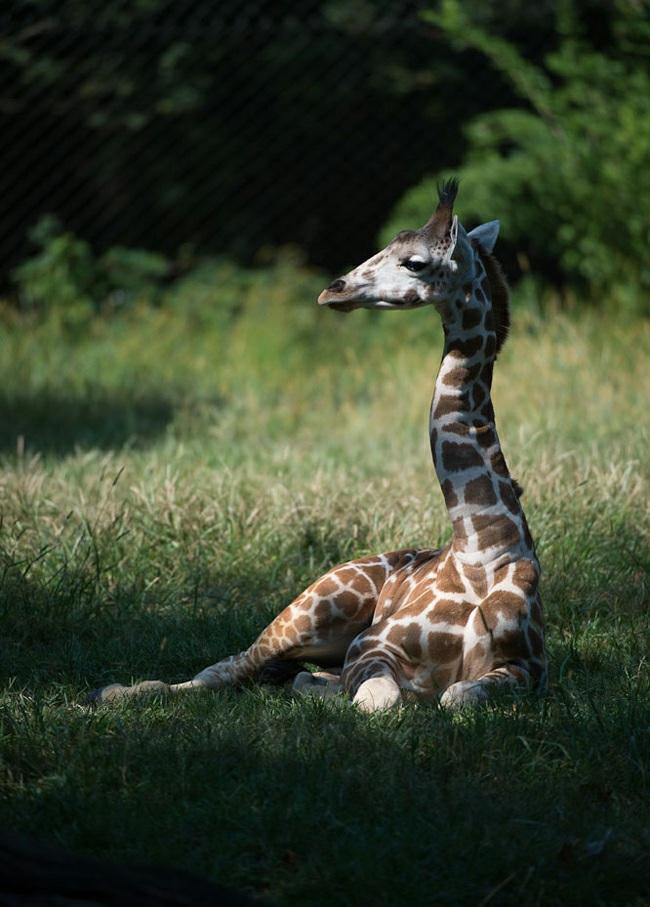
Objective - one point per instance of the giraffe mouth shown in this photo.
(340, 303)
(397, 304)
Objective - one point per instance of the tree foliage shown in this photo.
(568, 174)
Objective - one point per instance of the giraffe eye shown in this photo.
(413, 264)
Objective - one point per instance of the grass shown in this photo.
(172, 477)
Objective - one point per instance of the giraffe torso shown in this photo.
(438, 621)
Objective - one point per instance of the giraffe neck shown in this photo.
(489, 526)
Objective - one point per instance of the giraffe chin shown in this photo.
(382, 304)
(394, 306)
(343, 307)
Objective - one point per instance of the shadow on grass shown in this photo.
(65, 623)
(48, 423)
(314, 802)
(71, 630)
(31, 871)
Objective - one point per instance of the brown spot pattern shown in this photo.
(510, 645)
(444, 647)
(451, 498)
(449, 611)
(478, 580)
(456, 456)
(303, 623)
(480, 491)
(509, 497)
(448, 578)
(486, 437)
(526, 575)
(465, 349)
(472, 318)
(462, 375)
(495, 530)
(409, 638)
(447, 405)
(457, 428)
(499, 464)
(503, 603)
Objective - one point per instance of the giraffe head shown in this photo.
(418, 267)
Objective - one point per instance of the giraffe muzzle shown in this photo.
(340, 297)
(339, 305)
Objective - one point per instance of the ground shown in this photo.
(171, 478)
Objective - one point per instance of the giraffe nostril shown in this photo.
(337, 286)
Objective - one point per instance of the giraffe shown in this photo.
(454, 623)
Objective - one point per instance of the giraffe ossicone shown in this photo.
(453, 623)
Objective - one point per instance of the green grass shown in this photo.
(172, 477)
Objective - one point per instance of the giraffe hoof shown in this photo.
(377, 693)
(323, 685)
(115, 691)
(109, 693)
(462, 694)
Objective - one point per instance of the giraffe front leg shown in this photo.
(322, 684)
(378, 693)
(372, 695)
(261, 657)
(465, 693)
(371, 673)
(116, 692)
(231, 671)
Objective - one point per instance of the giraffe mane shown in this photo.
(500, 293)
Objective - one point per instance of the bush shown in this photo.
(66, 279)
(568, 175)
(61, 276)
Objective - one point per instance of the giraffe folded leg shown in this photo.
(229, 671)
(465, 693)
(322, 684)
(378, 693)
(374, 694)
(115, 692)
(371, 672)
(318, 626)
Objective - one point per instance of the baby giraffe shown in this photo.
(456, 622)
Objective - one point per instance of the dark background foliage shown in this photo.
(232, 126)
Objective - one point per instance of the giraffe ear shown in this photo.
(453, 239)
(486, 234)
